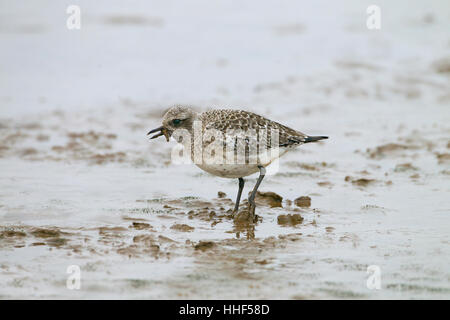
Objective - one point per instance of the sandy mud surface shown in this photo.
(80, 183)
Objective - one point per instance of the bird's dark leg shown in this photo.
(251, 199)
(238, 199)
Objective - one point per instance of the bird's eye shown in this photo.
(176, 122)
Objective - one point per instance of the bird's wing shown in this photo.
(247, 125)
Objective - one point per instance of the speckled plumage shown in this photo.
(226, 119)
(231, 143)
(240, 131)
(245, 130)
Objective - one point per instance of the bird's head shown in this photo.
(177, 117)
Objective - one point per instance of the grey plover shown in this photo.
(231, 143)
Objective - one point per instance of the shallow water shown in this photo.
(81, 185)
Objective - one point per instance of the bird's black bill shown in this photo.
(157, 135)
(160, 132)
(155, 130)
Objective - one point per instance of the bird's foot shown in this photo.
(251, 209)
(242, 217)
(246, 215)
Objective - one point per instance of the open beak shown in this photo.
(161, 132)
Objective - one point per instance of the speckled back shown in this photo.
(225, 119)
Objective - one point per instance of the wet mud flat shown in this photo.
(80, 185)
(139, 226)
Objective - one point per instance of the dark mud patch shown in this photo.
(146, 239)
(52, 236)
(389, 149)
(47, 236)
(45, 233)
(290, 237)
(133, 219)
(403, 167)
(12, 234)
(443, 158)
(26, 152)
(35, 244)
(315, 166)
(361, 182)
(140, 226)
(108, 157)
(182, 227)
(143, 245)
(135, 251)
(325, 184)
(289, 219)
(414, 176)
(270, 199)
(164, 239)
(57, 242)
(244, 218)
(111, 231)
(442, 65)
(42, 137)
(303, 201)
(204, 245)
(221, 195)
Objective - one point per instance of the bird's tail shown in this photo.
(314, 139)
